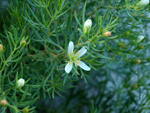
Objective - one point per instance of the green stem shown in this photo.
(6, 61)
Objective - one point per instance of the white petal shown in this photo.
(68, 67)
(143, 2)
(70, 48)
(83, 65)
(81, 52)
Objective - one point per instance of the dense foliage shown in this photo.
(112, 76)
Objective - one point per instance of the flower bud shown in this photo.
(26, 110)
(138, 61)
(135, 61)
(148, 59)
(87, 26)
(107, 33)
(1, 47)
(127, 33)
(143, 2)
(134, 87)
(22, 43)
(140, 47)
(121, 44)
(20, 83)
(136, 8)
(118, 53)
(3, 102)
(140, 38)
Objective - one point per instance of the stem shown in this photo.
(6, 61)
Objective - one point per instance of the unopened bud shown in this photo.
(87, 26)
(140, 38)
(148, 59)
(135, 7)
(1, 47)
(26, 111)
(107, 33)
(121, 44)
(134, 87)
(20, 83)
(23, 43)
(138, 61)
(127, 33)
(143, 2)
(3, 102)
(118, 53)
(140, 47)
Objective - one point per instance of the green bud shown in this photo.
(127, 33)
(148, 59)
(26, 110)
(118, 53)
(22, 43)
(134, 87)
(140, 47)
(136, 61)
(121, 44)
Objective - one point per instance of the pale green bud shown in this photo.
(26, 110)
(140, 38)
(87, 26)
(23, 43)
(20, 83)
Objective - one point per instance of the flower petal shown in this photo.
(68, 67)
(70, 48)
(81, 52)
(143, 2)
(83, 65)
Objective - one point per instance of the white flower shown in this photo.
(87, 26)
(75, 58)
(20, 83)
(143, 2)
(140, 38)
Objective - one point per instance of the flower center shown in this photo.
(73, 58)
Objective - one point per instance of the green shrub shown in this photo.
(59, 56)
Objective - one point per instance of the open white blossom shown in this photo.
(87, 25)
(143, 2)
(75, 58)
(20, 83)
